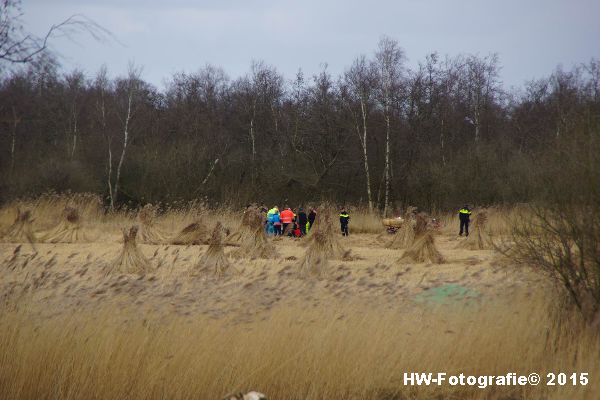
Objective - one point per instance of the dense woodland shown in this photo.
(381, 134)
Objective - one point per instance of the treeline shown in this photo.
(381, 134)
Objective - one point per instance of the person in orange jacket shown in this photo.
(287, 217)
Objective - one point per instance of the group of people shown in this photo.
(288, 222)
(296, 223)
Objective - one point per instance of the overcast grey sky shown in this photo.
(531, 36)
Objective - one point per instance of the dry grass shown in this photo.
(338, 351)
(68, 230)
(423, 250)
(405, 236)
(362, 221)
(498, 222)
(214, 261)
(478, 238)
(322, 245)
(247, 227)
(316, 258)
(149, 232)
(254, 241)
(21, 230)
(131, 260)
(69, 332)
(194, 233)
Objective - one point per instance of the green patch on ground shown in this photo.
(447, 294)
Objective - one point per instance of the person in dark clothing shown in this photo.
(302, 219)
(312, 215)
(464, 215)
(344, 220)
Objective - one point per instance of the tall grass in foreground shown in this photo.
(327, 352)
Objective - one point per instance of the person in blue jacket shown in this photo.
(277, 223)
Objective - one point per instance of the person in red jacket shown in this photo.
(287, 216)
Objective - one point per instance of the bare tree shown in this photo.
(260, 94)
(482, 88)
(101, 87)
(130, 90)
(360, 80)
(328, 140)
(17, 46)
(75, 86)
(389, 60)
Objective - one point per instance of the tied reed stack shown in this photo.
(406, 234)
(247, 226)
(131, 260)
(149, 232)
(21, 230)
(194, 233)
(255, 245)
(322, 246)
(423, 248)
(214, 261)
(478, 239)
(68, 230)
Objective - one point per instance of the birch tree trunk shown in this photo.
(442, 139)
(110, 189)
(253, 140)
(389, 59)
(102, 110)
(125, 141)
(365, 154)
(477, 119)
(387, 164)
(13, 141)
(74, 147)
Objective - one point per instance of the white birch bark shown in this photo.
(125, 141)
(13, 142)
(365, 154)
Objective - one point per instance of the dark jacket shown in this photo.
(344, 218)
(464, 214)
(302, 219)
(311, 217)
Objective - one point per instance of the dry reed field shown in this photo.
(114, 310)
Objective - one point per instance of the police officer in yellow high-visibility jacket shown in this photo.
(344, 220)
(464, 215)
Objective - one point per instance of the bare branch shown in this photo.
(20, 47)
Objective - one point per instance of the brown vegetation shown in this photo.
(405, 236)
(316, 258)
(328, 241)
(350, 336)
(478, 238)
(247, 226)
(254, 241)
(322, 245)
(21, 230)
(149, 232)
(131, 260)
(193, 234)
(563, 241)
(214, 261)
(423, 250)
(68, 230)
